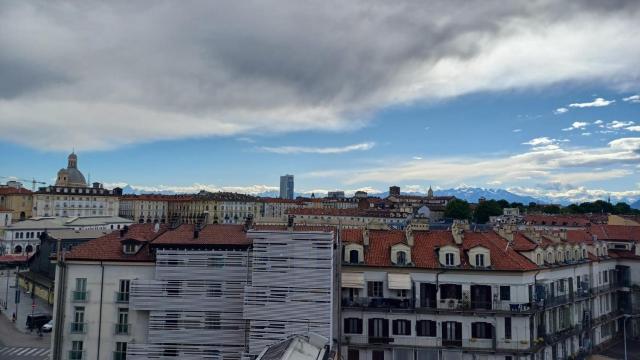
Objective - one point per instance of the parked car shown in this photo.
(35, 321)
(48, 327)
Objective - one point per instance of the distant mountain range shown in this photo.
(468, 193)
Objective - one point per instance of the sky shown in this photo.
(541, 98)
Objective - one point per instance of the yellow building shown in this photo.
(19, 200)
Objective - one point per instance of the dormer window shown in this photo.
(480, 260)
(130, 248)
(539, 259)
(449, 259)
(401, 258)
(354, 256)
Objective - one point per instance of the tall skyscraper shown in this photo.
(286, 187)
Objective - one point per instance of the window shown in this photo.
(352, 326)
(374, 289)
(401, 258)
(426, 328)
(505, 293)
(129, 248)
(539, 259)
(450, 291)
(507, 328)
(77, 326)
(449, 259)
(214, 290)
(171, 321)
(378, 328)
(76, 350)
(80, 293)
(354, 256)
(173, 288)
(481, 330)
(401, 327)
(212, 320)
(480, 260)
(377, 355)
(605, 275)
(123, 291)
(353, 354)
(122, 326)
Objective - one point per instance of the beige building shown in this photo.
(18, 200)
(146, 208)
(71, 196)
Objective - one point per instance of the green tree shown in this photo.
(486, 209)
(457, 209)
(503, 203)
(622, 208)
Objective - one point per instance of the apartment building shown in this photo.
(214, 291)
(459, 294)
(146, 208)
(358, 218)
(17, 199)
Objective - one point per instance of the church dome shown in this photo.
(71, 176)
(75, 177)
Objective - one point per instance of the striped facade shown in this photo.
(229, 304)
(195, 305)
(291, 286)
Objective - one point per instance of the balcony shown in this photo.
(78, 327)
(76, 355)
(79, 296)
(379, 340)
(122, 329)
(383, 304)
(119, 355)
(452, 342)
(122, 297)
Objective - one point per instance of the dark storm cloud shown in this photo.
(221, 68)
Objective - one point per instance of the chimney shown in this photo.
(248, 222)
(409, 235)
(563, 234)
(290, 222)
(156, 227)
(458, 234)
(365, 237)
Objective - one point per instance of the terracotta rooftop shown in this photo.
(424, 253)
(8, 190)
(213, 234)
(109, 247)
(347, 212)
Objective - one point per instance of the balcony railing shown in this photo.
(379, 303)
(380, 340)
(119, 355)
(122, 297)
(122, 329)
(76, 354)
(78, 327)
(79, 296)
(450, 342)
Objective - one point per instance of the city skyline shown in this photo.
(467, 105)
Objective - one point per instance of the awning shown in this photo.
(353, 280)
(399, 281)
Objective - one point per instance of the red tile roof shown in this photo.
(213, 234)
(424, 255)
(109, 247)
(13, 191)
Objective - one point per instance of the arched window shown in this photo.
(17, 249)
(539, 259)
(401, 258)
(354, 256)
(28, 249)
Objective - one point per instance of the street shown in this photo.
(16, 341)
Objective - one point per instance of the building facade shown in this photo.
(478, 295)
(17, 199)
(192, 292)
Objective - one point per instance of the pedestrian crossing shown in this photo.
(24, 353)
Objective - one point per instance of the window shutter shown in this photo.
(458, 331)
(370, 327)
(474, 330)
(359, 325)
(385, 328)
(346, 325)
(395, 327)
(432, 328)
(490, 332)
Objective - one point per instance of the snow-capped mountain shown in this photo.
(473, 194)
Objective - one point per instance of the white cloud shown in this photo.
(619, 124)
(575, 195)
(633, 128)
(194, 188)
(580, 125)
(517, 130)
(598, 122)
(599, 102)
(586, 134)
(417, 158)
(632, 98)
(168, 70)
(318, 150)
(561, 110)
(539, 163)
